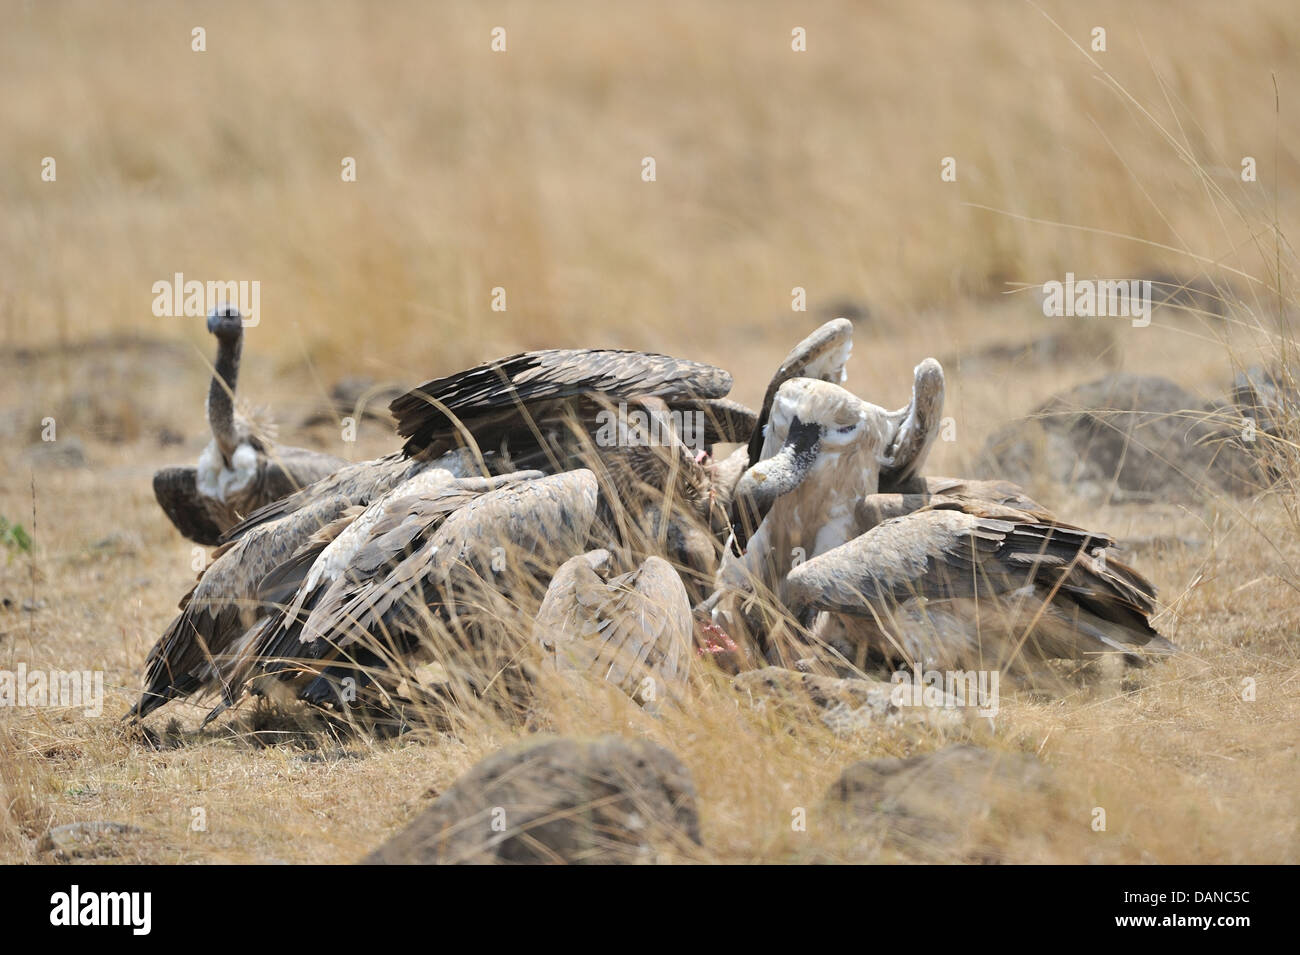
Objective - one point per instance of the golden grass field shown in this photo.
(522, 170)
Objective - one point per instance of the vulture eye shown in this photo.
(847, 429)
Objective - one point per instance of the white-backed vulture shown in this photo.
(823, 453)
(644, 424)
(634, 630)
(823, 356)
(956, 574)
(525, 402)
(968, 584)
(241, 469)
(198, 647)
(481, 421)
(421, 581)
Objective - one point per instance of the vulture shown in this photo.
(823, 452)
(634, 630)
(218, 616)
(823, 356)
(644, 424)
(963, 583)
(939, 572)
(240, 469)
(525, 405)
(427, 576)
(540, 409)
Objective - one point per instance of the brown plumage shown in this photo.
(965, 583)
(540, 407)
(642, 423)
(520, 399)
(421, 580)
(634, 630)
(198, 647)
(941, 572)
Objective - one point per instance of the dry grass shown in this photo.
(522, 170)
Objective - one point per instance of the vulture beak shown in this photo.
(770, 478)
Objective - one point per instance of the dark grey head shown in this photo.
(225, 322)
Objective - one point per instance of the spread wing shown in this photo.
(631, 628)
(916, 426)
(495, 542)
(497, 397)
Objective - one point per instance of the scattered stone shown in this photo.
(938, 806)
(85, 840)
(1124, 437)
(559, 800)
(118, 544)
(64, 453)
(849, 706)
(1197, 295)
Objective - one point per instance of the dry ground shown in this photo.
(775, 169)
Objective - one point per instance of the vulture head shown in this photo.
(819, 428)
(225, 322)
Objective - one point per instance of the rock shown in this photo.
(948, 805)
(859, 313)
(64, 453)
(1193, 294)
(85, 840)
(1123, 437)
(848, 706)
(565, 799)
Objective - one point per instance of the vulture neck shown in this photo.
(221, 395)
(821, 513)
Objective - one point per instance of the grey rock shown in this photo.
(85, 840)
(63, 453)
(932, 806)
(556, 800)
(1124, 437)
(847, 706)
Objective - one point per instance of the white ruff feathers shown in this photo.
(215, 480)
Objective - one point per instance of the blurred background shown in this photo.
(775, 169)
(522, 170)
